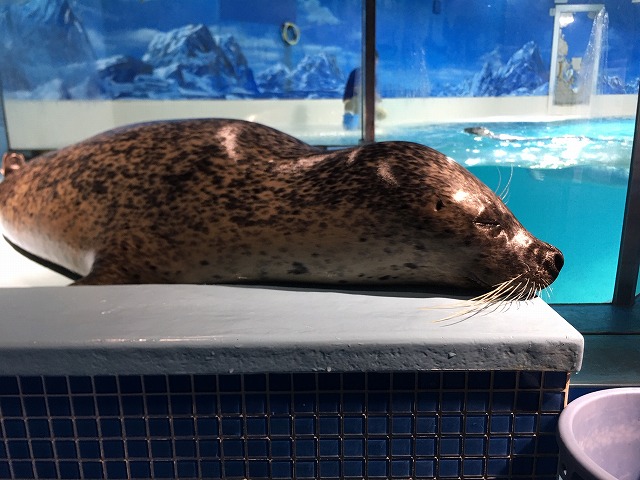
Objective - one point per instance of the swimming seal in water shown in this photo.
(505, 137)
(227, 201)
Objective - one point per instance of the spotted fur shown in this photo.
(220, 201)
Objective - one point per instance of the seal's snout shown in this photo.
(553, 262)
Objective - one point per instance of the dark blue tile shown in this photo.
(302, 403)
(378, 403)
(88, 428)
(204, 383)
(377, 425)
(500, 424)
(18, 449)
(378, 381)
(66, 449)
(78, 384)
(503, 401)
(280, 404)
(547, 444)
(137, 448)
(31, 385)
(35, 406)
(140, 469)
(555, 380)
(450, 446)
(449, 467)
(329, 402)
(281, 469)
(426, 468)
(329, 425)
(14, 428)
(402, 402)
(277, 426)
(69, 470)
(257, 426)
(523, 445)
(208, 426)
(499, 446)
(209, 448)
(377, 447)
(426, 424)
(108, 405)
(479, 380)
(353, 402)
(206, 405)
(180, 384)
(256, 382)
(305, 469)
(429, 380)
(477, 401)
(23, 470)
(105, 384)
(400, 468)
(10, 407)
(161, 449)
(187, 469)
(528, 401)
(113, 449)
(3, 452)
(475, 424)
(233, 448)
(451, 424)
(83, 406)
(46, 469)
(135, 427)
(377, 468)
(304, 382)
(56, 385)
(257, 448)
(548, 423)
(132, 405)
(183, 427)
(110, 427)
(281, 448)
(453, 380)
(472, 467)
(305, 425)
(546, 465)
(89, 449)
(162, 469)
(256, 404)
(525, 423)
(62, 428)
(498, 466)
(181, 404)
(234, 468)
(353, 468)
(552, 401)
(474, 446)
(425, 447)
(157, 405)
(522, 465)
(529, 380)
(305, 448)
(185, 448)
(353, 425)
(258, 469)
(404, 381)
(38, 428)
(329, 447)
(504, 380)
(42, 448)
(116, 469)
(9, 385)
(92, 469)
(280, 382)
(401, 424)
(329, 381)
(210, 469)
(452, 401)
(401, 447)
(130, 384)
(159, 427)
(155, 383)
(428, 401)
(329, 469)
(5, 472)
(59, 406)
(355, 381)
(230, 383)
(230, 404)
(353, 447)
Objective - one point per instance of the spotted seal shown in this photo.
(225, 201)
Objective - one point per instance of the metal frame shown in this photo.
(624, 293)
(369, 70)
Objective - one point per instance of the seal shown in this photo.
(480, 131)
(228, 201)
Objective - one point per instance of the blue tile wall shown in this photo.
(322, 425)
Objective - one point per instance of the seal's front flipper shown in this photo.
(11, 163)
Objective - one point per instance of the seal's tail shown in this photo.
(11, 163)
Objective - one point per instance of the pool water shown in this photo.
(567, 185)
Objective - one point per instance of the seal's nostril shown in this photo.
(558, 261)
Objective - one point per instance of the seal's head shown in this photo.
(479, 131)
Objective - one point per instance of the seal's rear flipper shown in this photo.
(45, 263)
(11, 163)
